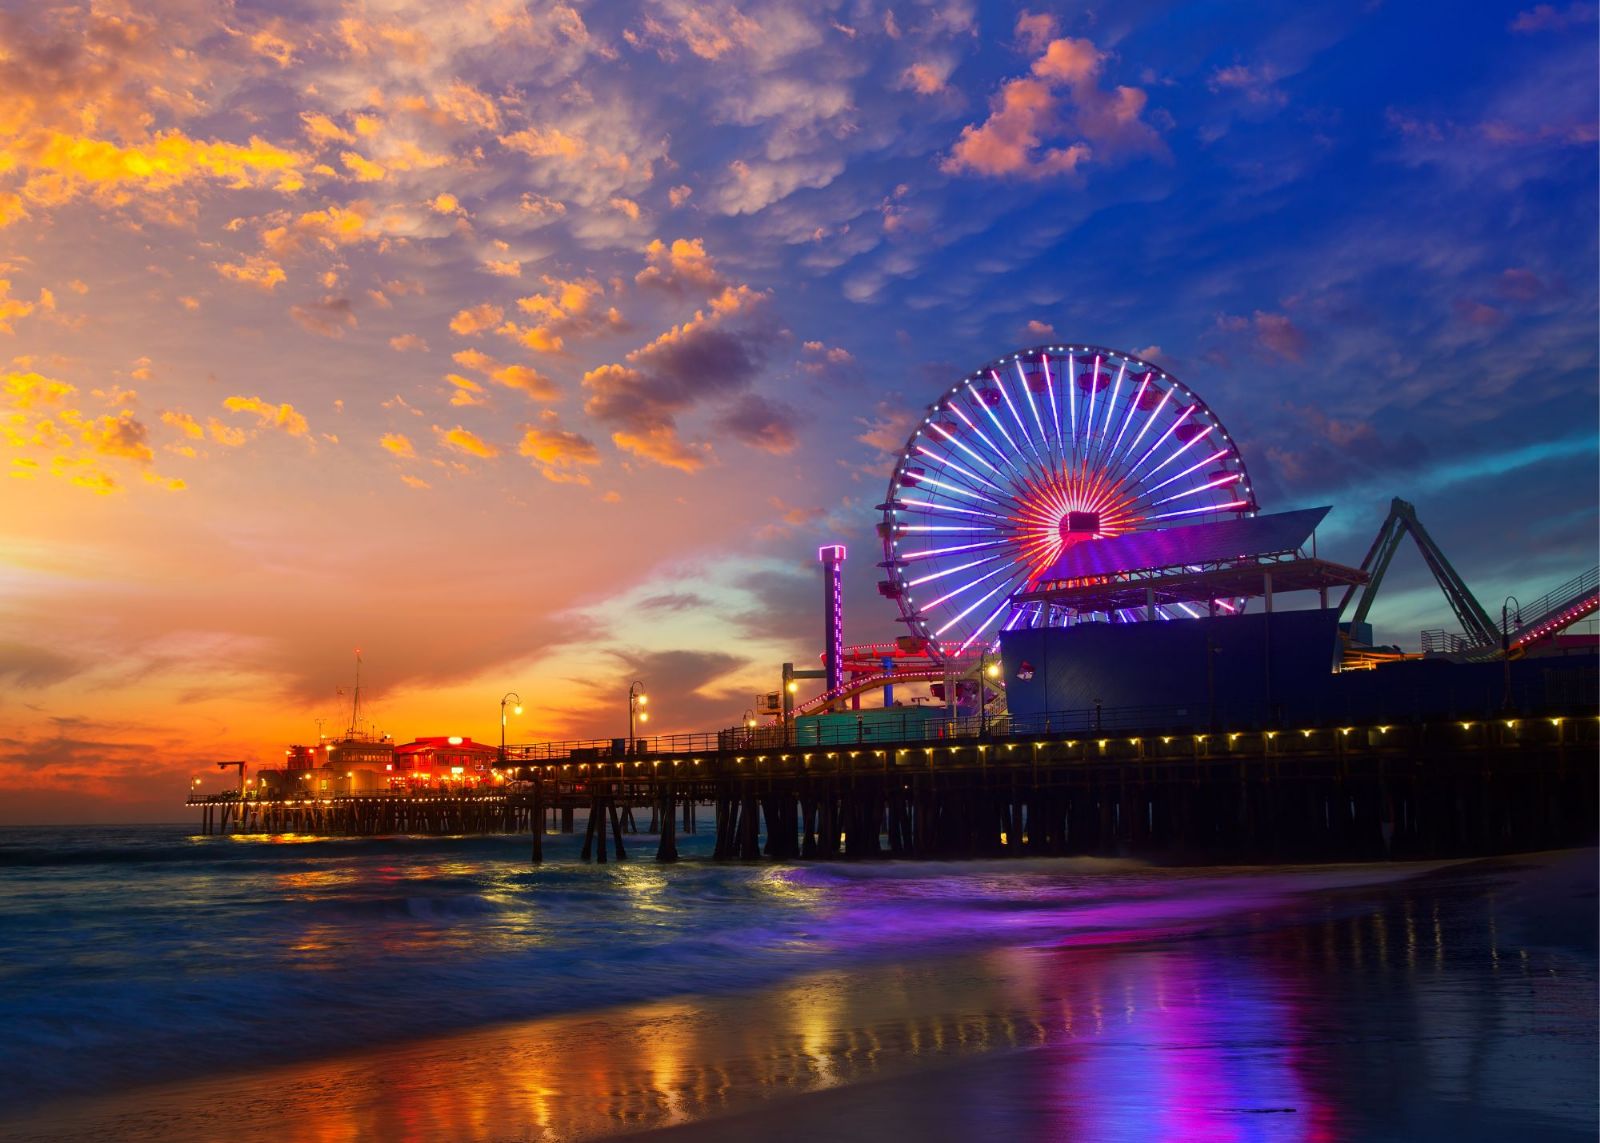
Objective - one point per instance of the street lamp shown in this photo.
(516, 699)
(636, 699)
(750, 725)
(1505, 642)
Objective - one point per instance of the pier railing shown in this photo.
(913, 727)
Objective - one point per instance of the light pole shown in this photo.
(636, 699)
(516, 700)
(1505, 642)
(750, 725)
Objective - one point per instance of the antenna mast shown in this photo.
(355, 701)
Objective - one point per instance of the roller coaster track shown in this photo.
(1578, 597)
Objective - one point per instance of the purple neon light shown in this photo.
(983, 626)
(1133, 406)
(926, 552)
(963, 447)
(996, 449)
(1094, 391)
(1218, 455)
(968, 528)
(970, 609)
(1195, 511)
(970, 494)
(1150, 420)
(1016, 416)
(1172, 428)
(1229, 479)
(971, 583)
(990, 413)
(1111, 405)
(1033, 407)
(1187, 445)
(954, 570)
(1050, 387)
(1072, 400)
(950, 508)
(946, 462)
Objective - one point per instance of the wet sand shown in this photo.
(1457, 1004)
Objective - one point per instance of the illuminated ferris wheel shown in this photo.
(1036, 451)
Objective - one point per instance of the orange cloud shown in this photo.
(11, 308)
(398, 444)
(663, 445)
(254, 270)
(184, 423)
(1061, 97)
(327, 230)
(276, 416)
(476, 319)
(560, 455)
(321, 129)
(467, 391)
(566, 309)
(530, 381)
(683, 264)
(463, 440)
(408, 343)
(59, 166)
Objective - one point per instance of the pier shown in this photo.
(1099, 782)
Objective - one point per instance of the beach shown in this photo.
(441, 991)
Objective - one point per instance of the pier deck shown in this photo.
(1395, 790)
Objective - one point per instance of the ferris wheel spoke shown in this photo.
(1004, 456)
(1196, 490)
(1199, 464)
(918, 582)
(1228, 507)
(971, 607)
(1016, 453)
(947, 466)
(1111, 406)
(1027, 392)
(960, 444)
(1055, 409)
(1155, 415)
(967, 493)
(1127, 417)
(1187, 445)
(1072, 401)
(984, 626)
(968, 586)
(1133, 469)
(1022, 427)
(929, 553)
(930, 506)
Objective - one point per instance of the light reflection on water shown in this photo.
(1333, 1018)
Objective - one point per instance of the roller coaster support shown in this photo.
(1475, 621)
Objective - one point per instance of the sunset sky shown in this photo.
(538, 347)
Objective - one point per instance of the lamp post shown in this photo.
(636, 699)
(750, 725)
(516, 700)
(990, 672)
(1505, 642)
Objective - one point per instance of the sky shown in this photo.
(536, 348)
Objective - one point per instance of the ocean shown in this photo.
(443, 988)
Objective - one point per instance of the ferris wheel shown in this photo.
(1036, 451)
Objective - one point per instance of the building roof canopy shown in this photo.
(1251, 537)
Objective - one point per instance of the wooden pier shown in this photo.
(1401, 791)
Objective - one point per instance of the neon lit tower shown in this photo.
(832, 558)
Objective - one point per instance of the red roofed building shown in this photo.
(452, 759)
